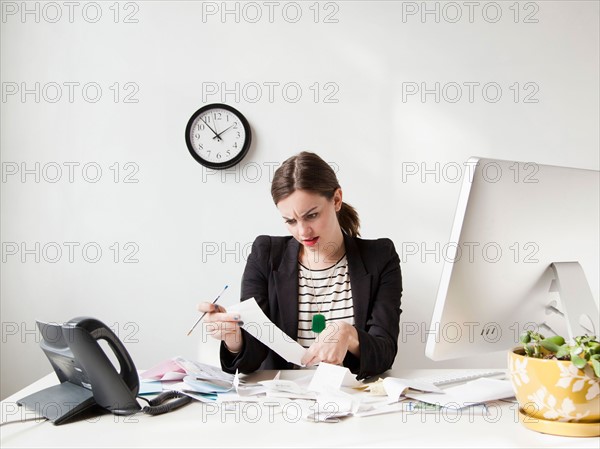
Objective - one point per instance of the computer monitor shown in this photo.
(523, 254)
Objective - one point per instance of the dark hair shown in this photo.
(307, 171)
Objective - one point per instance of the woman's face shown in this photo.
(311, 219)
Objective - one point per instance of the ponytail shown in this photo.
(349, 221)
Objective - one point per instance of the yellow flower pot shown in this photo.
(555, 396)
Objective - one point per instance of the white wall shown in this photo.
(177, 210)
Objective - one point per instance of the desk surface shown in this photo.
(250, 425)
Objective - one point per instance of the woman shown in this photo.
(336, 294)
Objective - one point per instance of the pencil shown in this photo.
(202, 316)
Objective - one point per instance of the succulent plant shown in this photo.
(579, 351)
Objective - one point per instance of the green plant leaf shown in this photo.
(528, 350)
(525, 337)
(550, 345)
(595, 357)
(556, 339)
(563, 351)
(576, 350)
(596, 366)
(578, 361)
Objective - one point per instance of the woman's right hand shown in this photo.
(222, 325)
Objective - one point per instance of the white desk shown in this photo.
(209, 425)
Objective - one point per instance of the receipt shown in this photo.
(257, 324)
(474, 392)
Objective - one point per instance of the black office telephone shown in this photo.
(87, 375)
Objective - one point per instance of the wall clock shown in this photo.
(218, 136)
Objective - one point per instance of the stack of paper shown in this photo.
(428, 398)
(474, 392)
(200, 381)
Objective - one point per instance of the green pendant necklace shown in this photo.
(318, 320)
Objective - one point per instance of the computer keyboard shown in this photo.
(440, 380)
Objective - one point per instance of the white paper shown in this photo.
(395, 387)
(380, 409)
(234, 397)
(418, 407)
(236, 381)
(310, 396)
(332, 377)
(257, 324)
(474, 392)
(280, 388)
(350, 380)
(327, 377)
(332, 405)
(182, 387)
(284, 386)
(412, 407)
(202, 370)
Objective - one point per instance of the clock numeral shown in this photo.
(200, 146)
(217, 115)
(200, 126)
(228, 153)
(239, 134)
(235, 145)
(218, 155)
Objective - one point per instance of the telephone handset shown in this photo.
(87, 375)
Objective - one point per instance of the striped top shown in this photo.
(332, 294)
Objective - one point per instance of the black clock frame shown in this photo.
(241, 154)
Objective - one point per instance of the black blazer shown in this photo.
(271, 277)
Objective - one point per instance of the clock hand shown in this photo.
(209, 127)
(215, 125)
(219, 135)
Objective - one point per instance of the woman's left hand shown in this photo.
(332, 344)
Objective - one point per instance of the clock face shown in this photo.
(218, 136)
